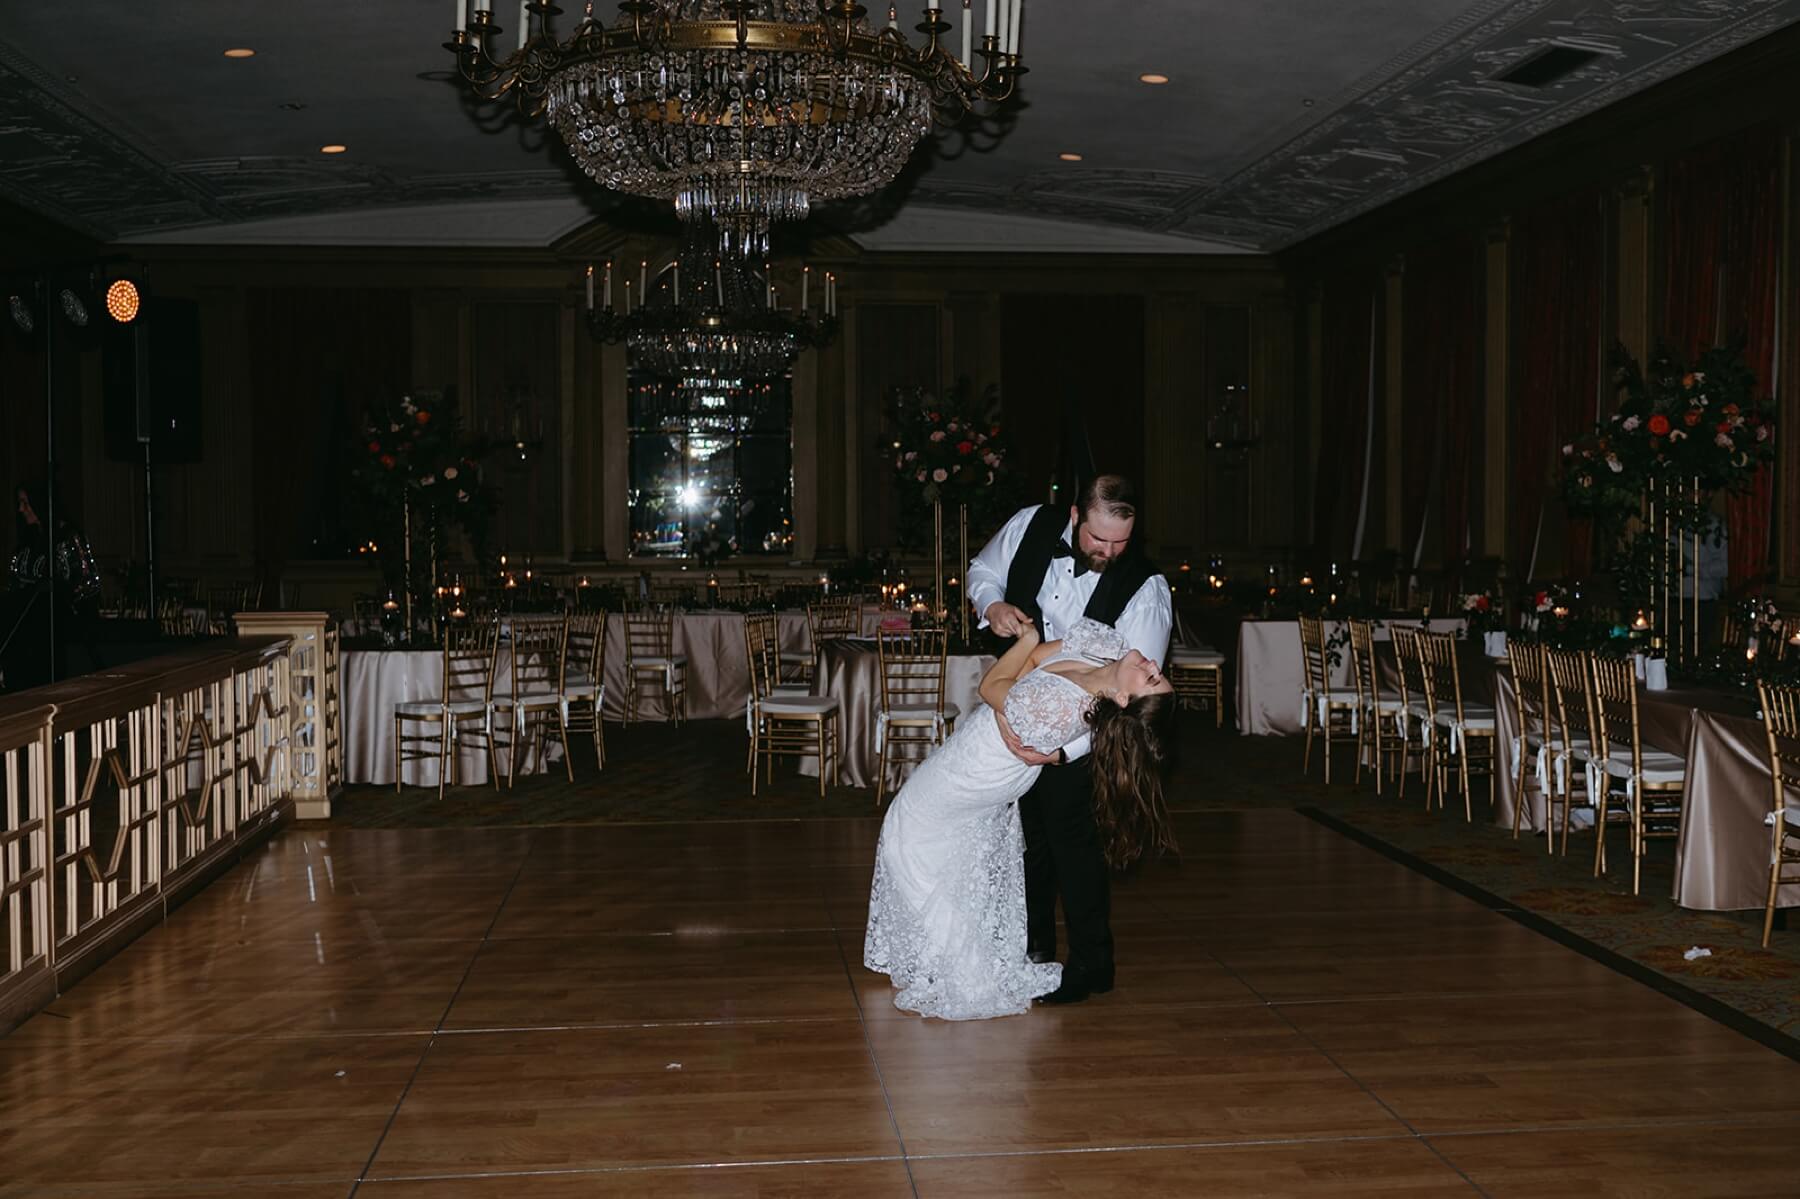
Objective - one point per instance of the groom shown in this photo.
(1050, 568)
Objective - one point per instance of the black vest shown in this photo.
(1031, 562)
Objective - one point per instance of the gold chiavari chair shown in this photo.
(1531, 743)
(833, 618)
(1781, 720)
(532, 712)
(651, 660)
(1322, 705)
(1415, 712)
(465, 694)
(782, 722)
(762, 644)
(584, 679)
(1381, 733)
(671, 595)
(1468, 730)
(1654, 780)
(1571, 711)
(1787, 644)
(743, 593)
(1734, 630)
(913, 711)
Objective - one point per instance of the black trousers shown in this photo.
(1063, 861)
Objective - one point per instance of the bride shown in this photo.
(947, 907)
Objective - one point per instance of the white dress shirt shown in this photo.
(1063, 598)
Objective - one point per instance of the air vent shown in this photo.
(1547, 66)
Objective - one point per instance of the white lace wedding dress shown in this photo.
(947, 907)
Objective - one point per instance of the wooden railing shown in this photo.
(126, 790)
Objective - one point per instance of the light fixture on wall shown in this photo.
(711, 317)
(742, 112)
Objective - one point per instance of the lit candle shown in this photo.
(719, 283)
(606, 287)
(768, 285)
(590, 287)
(627, 297)
(806, 274)
(893, 17)
(678, 283)
(643, 279)
(968, 29)
(989, 31)
(524, 23)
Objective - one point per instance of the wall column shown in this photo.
(1496, 361)
(615, 452)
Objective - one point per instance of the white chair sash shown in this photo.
(938, 724)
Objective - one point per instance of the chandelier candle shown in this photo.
(590, 287)
(806, 274)
(968, 28)
(606, 287)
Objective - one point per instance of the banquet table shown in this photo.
(1270, 675)
(372, 682)
(718, 687)
(1722, 856)
(850, 670)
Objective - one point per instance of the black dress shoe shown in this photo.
(1040, 956)
(1078, 985)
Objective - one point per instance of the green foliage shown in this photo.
(949, 449)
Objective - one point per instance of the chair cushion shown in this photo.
(435, 707)
(918, 714)
(791, 655)
(1658, 767)
(645, 662)
(1183, 655)
(1337, 695)
(579, 690)
(792, 689)
(797, 705)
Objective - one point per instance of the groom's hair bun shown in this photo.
(1115, 495)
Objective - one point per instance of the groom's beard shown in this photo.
(1093, 562)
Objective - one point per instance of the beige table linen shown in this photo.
(1270, 674)
(850, 671)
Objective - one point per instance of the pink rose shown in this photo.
(939, 475)
(920, 476)
(937, 435)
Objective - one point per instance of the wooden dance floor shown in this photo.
(681, 1010)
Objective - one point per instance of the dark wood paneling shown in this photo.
(517, 380)
(1073, 367)
(896, 347)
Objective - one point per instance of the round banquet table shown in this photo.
(373, 681)
(1270, 674)
(850, 671)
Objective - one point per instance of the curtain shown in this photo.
(1721, 253)
(1558, 263)
(1348, 337)
(1441, 400)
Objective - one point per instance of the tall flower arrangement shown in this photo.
(413, 465)
(1676, 423)
(947, 449)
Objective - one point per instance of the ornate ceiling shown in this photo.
(1283, 117)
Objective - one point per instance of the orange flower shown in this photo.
(1687, 380)
(387, 460)
(424, 417)
(1691, 417)
(1659, 425)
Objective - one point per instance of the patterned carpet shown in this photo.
(655, 774)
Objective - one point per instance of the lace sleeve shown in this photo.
(1046, 710)
(1089, 638)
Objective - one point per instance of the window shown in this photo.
(711, 467)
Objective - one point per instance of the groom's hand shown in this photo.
(1020, 750)
(1005, 619)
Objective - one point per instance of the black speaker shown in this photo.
(152, 384)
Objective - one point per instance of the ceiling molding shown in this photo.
(1408, 120)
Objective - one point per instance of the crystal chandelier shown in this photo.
(711, 318)
(742, 112)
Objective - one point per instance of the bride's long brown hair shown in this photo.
(1131, 750)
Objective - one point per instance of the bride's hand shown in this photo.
(1028, 632)
(1020, 750)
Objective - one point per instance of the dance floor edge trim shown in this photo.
(1700, 1002)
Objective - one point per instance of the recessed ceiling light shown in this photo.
(1153, 78)
(1070, 157)
(240, 52)
(334, 148)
